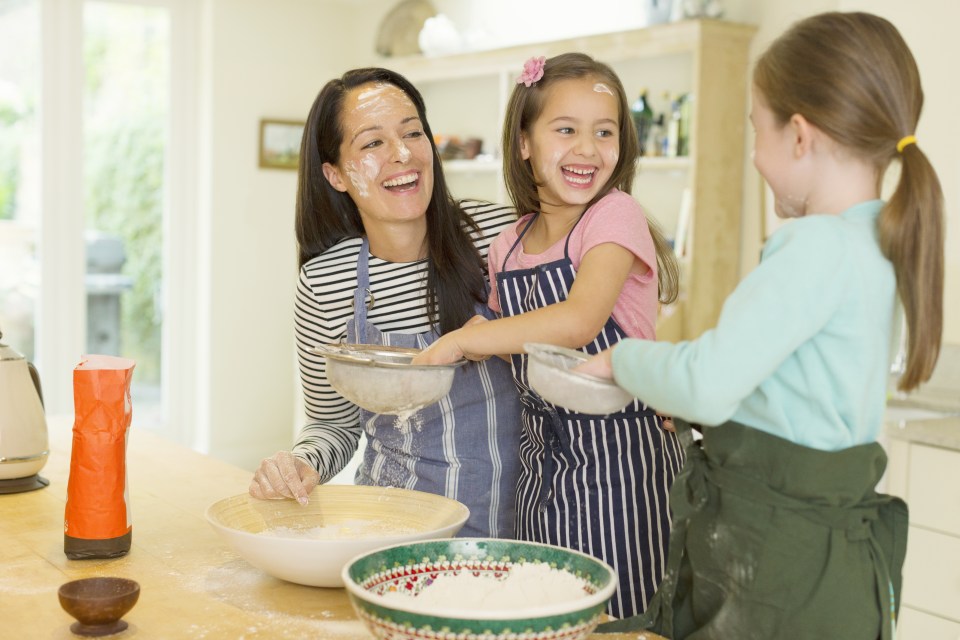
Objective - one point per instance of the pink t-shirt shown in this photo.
(616, 218)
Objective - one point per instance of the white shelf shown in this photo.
(707, 59)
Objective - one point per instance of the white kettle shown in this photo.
(24, 445)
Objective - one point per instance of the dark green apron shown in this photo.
(775, 540)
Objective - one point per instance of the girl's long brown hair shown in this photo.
(525, 106)
(325, 216)
(853, 76)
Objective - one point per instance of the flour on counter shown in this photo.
(527, 585)
(347, 529)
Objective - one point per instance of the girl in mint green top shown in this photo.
(778, 530)
(802, 347)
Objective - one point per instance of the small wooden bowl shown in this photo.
(98, 604)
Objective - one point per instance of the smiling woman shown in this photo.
(388, 257)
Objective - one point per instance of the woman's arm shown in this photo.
(330, 438)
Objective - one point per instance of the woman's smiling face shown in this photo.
(386, 160)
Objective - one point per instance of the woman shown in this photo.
(388, 257)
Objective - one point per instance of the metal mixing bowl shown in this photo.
(381, 379)
(549, 374)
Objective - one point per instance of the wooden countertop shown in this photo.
(192, 585)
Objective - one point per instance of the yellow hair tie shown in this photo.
(904, 141)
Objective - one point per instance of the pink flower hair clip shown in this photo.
(532, 70)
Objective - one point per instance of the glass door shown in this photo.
(126, 114)
(19, 173)
(97, 176)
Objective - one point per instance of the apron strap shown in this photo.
(362, 292)
(516, 243)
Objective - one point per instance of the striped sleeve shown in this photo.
(323, 302)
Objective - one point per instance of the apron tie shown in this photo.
(700, 477)
(555, 440)
(856, 522)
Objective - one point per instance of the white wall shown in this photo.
(260, 59)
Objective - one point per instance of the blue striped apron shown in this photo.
(597, 484)
(463, 447)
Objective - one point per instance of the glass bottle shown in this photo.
(642, 116)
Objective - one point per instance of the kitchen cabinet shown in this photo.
(466, 95)
(924, 470)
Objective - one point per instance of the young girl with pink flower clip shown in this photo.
(581, 268)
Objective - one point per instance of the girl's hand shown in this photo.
(443, 351)
(667, 424)
(477, 319)
(283, 475)
(599, 366)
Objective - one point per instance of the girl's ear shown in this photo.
(524, 146)
(332, 174)
(802, 133)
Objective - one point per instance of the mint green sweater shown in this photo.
(802, 347)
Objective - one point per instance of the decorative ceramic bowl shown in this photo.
(381, 379)
(310, 544)
(98, 604)
(549, 373)
(376, 580)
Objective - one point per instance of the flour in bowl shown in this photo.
(526, 585)
(347, 529)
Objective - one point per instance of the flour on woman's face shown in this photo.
(386, 159)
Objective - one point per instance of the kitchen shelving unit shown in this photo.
(466, 94)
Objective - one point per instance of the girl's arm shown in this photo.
(788, 298)
(571, 323)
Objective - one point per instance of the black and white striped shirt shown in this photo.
(324, 303)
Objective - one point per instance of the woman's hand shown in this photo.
(283, 475)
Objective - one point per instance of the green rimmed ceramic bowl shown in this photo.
(411, 568)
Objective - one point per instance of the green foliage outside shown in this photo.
(126, 105)
(9, 159)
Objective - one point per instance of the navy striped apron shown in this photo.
(463, 447)
(597, 484)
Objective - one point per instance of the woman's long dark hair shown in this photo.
(325, 216)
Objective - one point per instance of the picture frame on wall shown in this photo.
(280, 143)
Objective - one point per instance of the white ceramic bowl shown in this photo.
(381, 379)
(549, 374)
(311, 544)
(387, 588)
